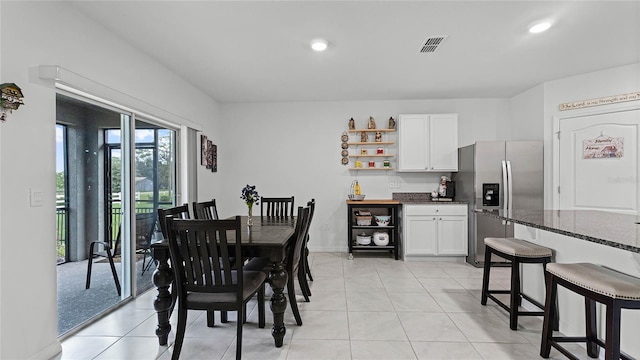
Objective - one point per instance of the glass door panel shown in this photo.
(154, 187)
(91, 281)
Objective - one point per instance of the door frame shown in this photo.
(555, 135)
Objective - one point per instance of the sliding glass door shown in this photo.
(116, 171)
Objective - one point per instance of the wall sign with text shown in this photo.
(634, 96)
(603, 147)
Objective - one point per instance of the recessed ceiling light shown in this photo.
(319, 44)
(539, 27)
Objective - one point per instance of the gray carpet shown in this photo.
(77, 304)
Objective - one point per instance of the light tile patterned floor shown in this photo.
(371, 307)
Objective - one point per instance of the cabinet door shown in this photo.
(412, 139)
(452, 235)
(443, 142)
(420, 235)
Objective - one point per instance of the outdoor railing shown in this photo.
(61, 232)
(116, 218)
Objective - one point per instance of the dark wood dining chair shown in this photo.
(177, 212)
(293, 258)
(276, 206)
(303, 269)
(292, 262)
(205, 210)
(205, 279)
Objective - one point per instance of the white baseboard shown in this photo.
(434, 258)
(328, 249)
(50, 352)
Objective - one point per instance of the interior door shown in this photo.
(599, 162)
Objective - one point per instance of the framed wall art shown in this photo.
(214, 158)
(209, 154)
(204, 150)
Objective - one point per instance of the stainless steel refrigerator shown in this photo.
(497, 175)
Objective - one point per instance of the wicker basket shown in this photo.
(363, 220)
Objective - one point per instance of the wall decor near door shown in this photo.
(204, 150)
(214, 157)
(345, 145)
(208, 154)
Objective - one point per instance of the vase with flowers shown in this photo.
(250, 197)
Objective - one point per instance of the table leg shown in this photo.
(162, 279)
(278, 281)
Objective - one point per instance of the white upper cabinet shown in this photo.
(428, 142)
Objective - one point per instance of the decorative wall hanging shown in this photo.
(10, 100)
(204, 150)
(352, 124)
(214, 158)
(603, 147)
(208, 154)
(634, 96)
(345, 146)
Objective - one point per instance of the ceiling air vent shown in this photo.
(432, 43)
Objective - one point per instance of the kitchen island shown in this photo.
(604, 238)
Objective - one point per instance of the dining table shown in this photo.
(267, 237)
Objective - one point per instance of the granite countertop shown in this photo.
(420, 198)
(611, 229)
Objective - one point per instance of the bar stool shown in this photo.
(518, 252)
(597, 284)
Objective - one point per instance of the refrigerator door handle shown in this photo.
(505, 189)
(510, 188)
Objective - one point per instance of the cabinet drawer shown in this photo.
(435, 210)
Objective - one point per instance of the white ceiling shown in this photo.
(259, 51)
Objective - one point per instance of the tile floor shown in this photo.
(371, 307)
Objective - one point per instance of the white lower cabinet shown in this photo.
(435, 230)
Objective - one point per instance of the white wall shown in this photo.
(294, 149)
(51, 33)
(527, 115)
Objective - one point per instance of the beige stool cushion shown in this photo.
(517, 247)
(598, 279)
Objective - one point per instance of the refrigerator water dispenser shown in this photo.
(490, 194)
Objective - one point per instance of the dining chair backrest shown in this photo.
(302, 229)
(277, 206)
(312, 208)
(205, 210)
(179, 212)
(201, 252)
